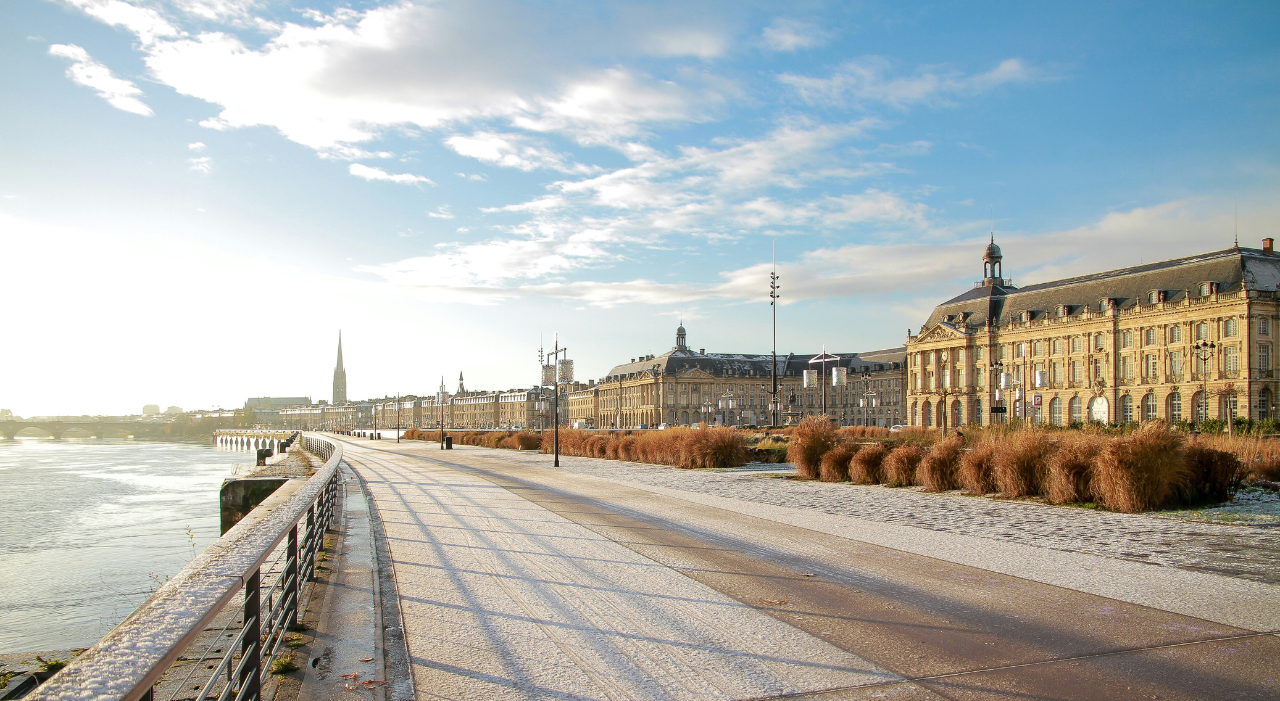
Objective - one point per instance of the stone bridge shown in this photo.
(99, 429)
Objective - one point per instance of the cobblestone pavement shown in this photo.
(1246, 552)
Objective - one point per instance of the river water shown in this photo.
(89, 528)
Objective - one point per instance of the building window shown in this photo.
(1099, 342)
(1151, 337)
(1153, 297)
(1264, 357)
(1077, 344)
(1126, 409)
(1153, 366)
(1055, 411)
(1039, 348)
(1056, 372)
(1175, 407)
(1229, 328)
(1202, 331)
(1205, 288)
(1175, 364)
(1264, 327)
(1199, 407)
(1099, 369)
(1076, 410)
(1126, 339)
(1126, 368)
(1175, 334)
(1057, 346)
(1149, 407)
(977, 353)
(1231, 358)
(1077, 371)
(977, 411)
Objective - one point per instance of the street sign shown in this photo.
(1036, 399)
(999, 410)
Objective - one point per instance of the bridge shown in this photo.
(98, 429)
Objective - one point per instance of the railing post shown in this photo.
(291, 574)
(250, 645)
(312, 547)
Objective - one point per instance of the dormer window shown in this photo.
(1103, 305)
(1024, 317)
(1154, 297)
(1062, 310)
(1206, 289)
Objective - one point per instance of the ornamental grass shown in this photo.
(835, 464)
(809, 442)
(938, 471)
(1069, 473)
(866, 465)
(899, 468)
(1019, 463)
(1142, 471)
(977, 468)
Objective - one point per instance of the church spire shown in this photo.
(339, 377)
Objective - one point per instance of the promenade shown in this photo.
(607, 580)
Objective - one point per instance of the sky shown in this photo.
(197, 196)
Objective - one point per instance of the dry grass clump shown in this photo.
(977, 468)
(522, 440)
(938, 471)
(1142, 471)
(678, 447)
(1019, 463)
(809, 442)
(1070, 469)
(899, 467)
(864, 432)
(1215, 474)
(865, 467)
(835, 464)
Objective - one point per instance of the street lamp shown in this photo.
(866, 392)
(727, 403)
(773, 304)
(823, 358)
(1203, 351)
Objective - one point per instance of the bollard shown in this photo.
(448, 442)
(263, 454)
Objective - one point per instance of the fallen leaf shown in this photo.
(366, 659)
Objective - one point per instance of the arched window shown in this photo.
(1126, 408)
(1149, 407)
(926, 414)
(957, 414)
(1264, 403)
(1199, 407)
(1075, 409)
(1175, 407)
(977, 412)
(1055, 411)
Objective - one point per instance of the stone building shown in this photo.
(583, 405)
(682, 387)
(1114, 346)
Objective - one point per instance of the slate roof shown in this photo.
(681, 360)
(1232, 269)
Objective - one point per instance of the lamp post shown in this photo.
(727, 403)
(555, 421)
(998, 368)
(1203, 351)
(866, 389)
(823, 379)
(773, 305)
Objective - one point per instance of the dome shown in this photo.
(680, 330)
(992, 252)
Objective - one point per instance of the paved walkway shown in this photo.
(518, 581)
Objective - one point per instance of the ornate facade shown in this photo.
(1115, 346)
(682, 387)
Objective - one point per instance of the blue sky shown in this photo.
(196, 195)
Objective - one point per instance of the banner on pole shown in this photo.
(566, 371)
(810, 378)
(548, 374)
(839, 377)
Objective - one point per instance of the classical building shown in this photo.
(1115, 346)
(339, 377)
(682, 387)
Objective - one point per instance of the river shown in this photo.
(89, 528)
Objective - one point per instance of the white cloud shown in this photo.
(118, 92)
(197, 146)
(442, 212)
(789, 35)
(513, 151)
(686, 41)
(869, 80)
(343, 152)
(145, 22)
(542, 204)
(203, 164)
(369, 173)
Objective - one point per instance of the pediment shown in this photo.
(697, 374)
(940, 332)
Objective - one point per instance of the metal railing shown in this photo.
(127, 663)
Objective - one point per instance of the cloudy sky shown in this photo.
(196, 195)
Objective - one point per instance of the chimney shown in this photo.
(702, 351)
(1268, 246)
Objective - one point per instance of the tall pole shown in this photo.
(824, 381)
(397, 417)
(556, 399)
(440, 401)
(773, 304)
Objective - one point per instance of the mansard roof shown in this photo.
(1230, 270)
(682, 360)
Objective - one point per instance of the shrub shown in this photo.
(865, 467)
(809, 442)
(1214, 475)
(1142, 471)
(1070, 470)
(938, 468)
(900, 465)
(714, 447)
(1019, 463)
(835, 464)
(977, 474)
